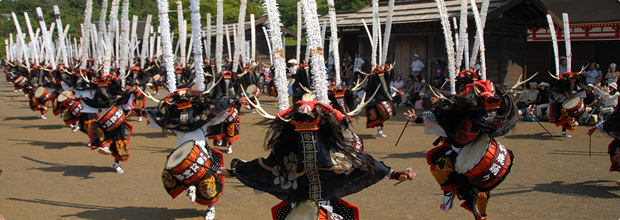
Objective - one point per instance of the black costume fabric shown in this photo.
(313, 172)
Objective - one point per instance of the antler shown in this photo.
(583, 68)
(519, 82)
(148, 95)
(305, 89)
(259, 109)
(363, 103)
(359, 84)
(213, 84)
(439, 94)
(554, 76)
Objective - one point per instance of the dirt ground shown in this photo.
(49, 173)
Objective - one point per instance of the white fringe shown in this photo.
(164, 23)
(279, 63)
(483, 19)
(554, 38)
(334, 39)
(219, 37)
(314, 42)
(569, 54)
(480, 33)
(197, 36)
(447, 31)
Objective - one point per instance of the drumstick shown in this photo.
(536, 119)
(401, 133)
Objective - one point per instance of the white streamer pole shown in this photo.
(124, 42)
(208, 40)
(164, 24)
(462, 37)
(279, 64)
(253, 36)
(6, 48)
(569, 54)
(134, 40)
(319, 79)
(554, 38)
(447, 33)
(268, 45)
(228, 43)
(480, 32)
(62, 47)
(146, 41)
(334, 39)
(182, 32)
(299, 27)
(388, 31)
(88, 13)
(196, 35)
(49, 54)
(108, 41)
(483, 19)
(240, 37)
(375, 32)
(219, 38)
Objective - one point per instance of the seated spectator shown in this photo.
(530, 96)
(609, 97)
(542, 101)
(590, 100)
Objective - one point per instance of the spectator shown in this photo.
(347, 70)
(563, 65)
(358, 63)
(612, 74)
(398, 84)
(609, 95)
(417, 65)
(590, 100)
(408, 90)
(438, 70)
(530, 96)
(592, 74)
(542, 101)
(293, 69)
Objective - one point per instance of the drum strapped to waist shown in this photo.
(74, 106)
(41, 94)
(252, 91)
(306, 210)
(156, 77)
(385, 110)
(112, 118)
(20, 81)
(189, 163)
(574, 106)
(485, 162)
(65, 97)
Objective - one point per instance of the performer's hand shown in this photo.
(410, 115)
(224, 172)
(407, 175)
(591, 130)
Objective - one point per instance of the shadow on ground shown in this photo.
(54, 145)
(113, 213)
(70, 170)
(592, 188)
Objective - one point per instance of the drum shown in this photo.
(252, 91)
(485, 162)
(189, 163)
(41, 94)
(156, 77)
(75, 107)
(574, 106)
(112, 118)
(385, 110)
(20, 81)
(65, 97)
(306, 210)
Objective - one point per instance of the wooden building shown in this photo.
(594, 30)
(416, 29)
